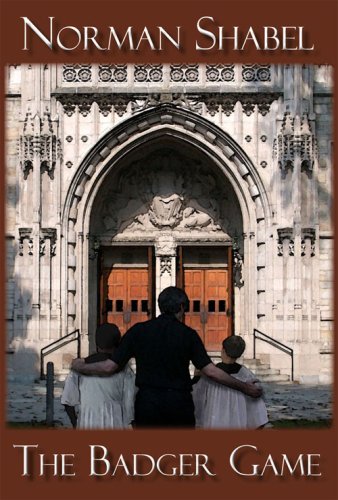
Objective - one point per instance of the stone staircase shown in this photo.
(262, 370)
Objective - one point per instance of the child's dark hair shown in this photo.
(107, 336)
(234, 346)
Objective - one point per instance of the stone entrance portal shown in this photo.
(165, 216)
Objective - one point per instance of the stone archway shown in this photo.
(228, 160)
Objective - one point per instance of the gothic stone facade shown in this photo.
(227, 163)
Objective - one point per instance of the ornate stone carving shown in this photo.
(184, 73)
(165, 265)
(166, 211)
(237, 265)
(77, 73)
(112, 73)
(226, 102)
(25, 233)
(212, 105)
(220, 72)
(42, 248)
(94, 246)
(105, 105)
(144, 73)
(295, 140)
(228, 105)
(48, 234)
(248, 105)
(120, 104)
(256, 72)
(165, 245)
(84, 103)
(285, 234)
(161, 193)
(39, 140)
(308, 234)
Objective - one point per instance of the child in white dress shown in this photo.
(102, 402)
(217, 406)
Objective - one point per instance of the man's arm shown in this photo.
(102, 368)
(218, 375)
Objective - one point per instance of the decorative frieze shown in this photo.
(220, 72)
(146, 73)
(184, 73)
(225, 102)
(112, 73)
(86, 74)
(39, 141)
(73, 73)
(256, 72)
(213, 103)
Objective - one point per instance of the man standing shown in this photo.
(163, 348)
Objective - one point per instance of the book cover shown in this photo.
(153, 144)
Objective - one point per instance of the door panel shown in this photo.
(127, 299)
(210, 304)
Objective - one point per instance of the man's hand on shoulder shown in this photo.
(253, 390)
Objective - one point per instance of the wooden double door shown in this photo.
(127, 290)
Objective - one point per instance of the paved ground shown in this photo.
(27, 402)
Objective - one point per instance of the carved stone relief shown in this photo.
(256, 72)
(220, 72)
(48, 234)
(308, 235)
(148, 73)
(295, 139)
(285, 234)
(106, 73)
(237, 265)
(77, 73)
(165, 265)
(112, 73)
(166, 191)
(184, 73)
(25, 233)
(136, 102)
(39, 140)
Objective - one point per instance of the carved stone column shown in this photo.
(165, 254)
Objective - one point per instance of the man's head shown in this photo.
(234, 346)
(107, 337)
(173, 300)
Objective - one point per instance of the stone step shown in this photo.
(265, 371)
(274, 378)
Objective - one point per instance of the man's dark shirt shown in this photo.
(163, 348)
